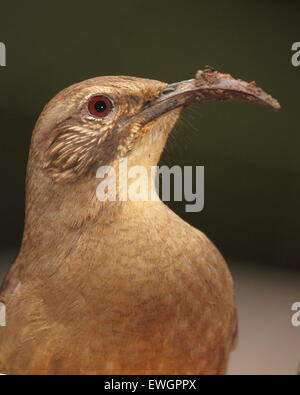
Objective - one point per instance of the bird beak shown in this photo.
(207, 85)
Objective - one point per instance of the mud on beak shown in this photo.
(207, 85)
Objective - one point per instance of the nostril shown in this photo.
(167, 91)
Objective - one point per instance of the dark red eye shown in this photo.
(100, 106)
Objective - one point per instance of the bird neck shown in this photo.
(55, 210)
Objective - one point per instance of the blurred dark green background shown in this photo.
(250, 154)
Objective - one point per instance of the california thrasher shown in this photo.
(115, 287)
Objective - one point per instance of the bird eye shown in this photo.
(100, 106)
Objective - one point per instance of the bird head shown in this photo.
(98, 121)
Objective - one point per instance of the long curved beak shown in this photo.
(207, 85)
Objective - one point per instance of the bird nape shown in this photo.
(115, 286)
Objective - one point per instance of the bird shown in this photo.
(115, 287)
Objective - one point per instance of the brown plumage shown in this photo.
(114, 287)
